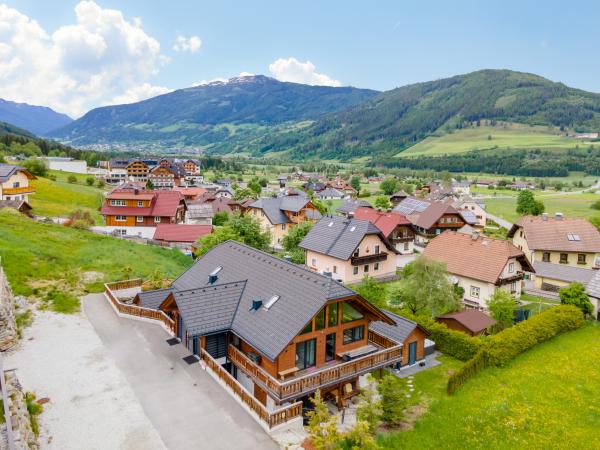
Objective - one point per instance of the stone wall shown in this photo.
(24, 437)
(8, 325)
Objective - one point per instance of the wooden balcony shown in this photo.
(368, 259)
(507, 280)
(305, 384)
(18, 190)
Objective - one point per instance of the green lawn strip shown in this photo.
(545, 398)
(59, 198)
(58, 264)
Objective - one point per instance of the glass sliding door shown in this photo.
(330, 347)
(306, 354)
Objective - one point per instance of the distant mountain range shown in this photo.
(210, 114)
(36, 119)
(258, 115)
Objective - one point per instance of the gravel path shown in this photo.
(92, 406)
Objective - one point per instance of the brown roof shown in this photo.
(432, 214)
(181, 233)
(473, 320)
(564, 234)
(476, 257)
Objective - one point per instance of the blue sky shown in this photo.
(379, 45)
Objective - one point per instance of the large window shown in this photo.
(308, 328)
(349, 314)
(305, 354)
(354, 334)
(332, 314)
(330, 347)
(320, 320)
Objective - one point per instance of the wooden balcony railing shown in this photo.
(506, 280)
(284, 390)
(134, 310)
(271, 418)
(18, 190)
(367, 259)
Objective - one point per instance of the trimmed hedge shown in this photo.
(508, 344)
(454, 343)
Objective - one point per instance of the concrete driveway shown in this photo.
(186, 406)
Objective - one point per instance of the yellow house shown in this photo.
(279, 215)
(14, 183)
(558, 240)
(348, 249)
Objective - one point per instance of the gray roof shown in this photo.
(199, 210)
(329, 192)
(593, 287)
(7, 171)
(563, 272)
(469, 216)
(338, 237)
(411, 205)
(302, 294)
(397, 333)
(349, 206)
(274, 207)
(209, 309)
(153, 299)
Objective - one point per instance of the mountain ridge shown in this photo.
(35, 119)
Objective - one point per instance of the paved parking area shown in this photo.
(186, 406)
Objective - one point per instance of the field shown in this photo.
(545, 398)
(513, 136)
(571, 205)
(58, 198)
(57, 263)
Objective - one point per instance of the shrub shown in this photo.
(575, 295)
(34, 409)
(100, 183)
(81, 219)
(89, 181)
(393, 399)
(503, 347)
(220, 218)
(72, 179)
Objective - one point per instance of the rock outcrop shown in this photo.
(8, 325)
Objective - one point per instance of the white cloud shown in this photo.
(137, 93)
(100, 58)
(191, 44)
(298, 72)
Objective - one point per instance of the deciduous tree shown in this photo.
(575, 294)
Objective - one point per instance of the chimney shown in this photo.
(256, 304)
(136, 191)
(544, 217)
(558, 216)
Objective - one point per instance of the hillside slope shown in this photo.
(36, 119)
(211, 113)
(396, 119)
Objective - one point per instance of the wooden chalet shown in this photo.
(281, 330)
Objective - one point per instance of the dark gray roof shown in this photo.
(412, 205)
(7, 171)
(349, 206)
(397, 333)
(563, 272)
(593, 287)
(329, 192)
(209, 309)
(153, 299)
(274, 207)
(313, 214)
(338, 237)
(302, 293)
(199, 210)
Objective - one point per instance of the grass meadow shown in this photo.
(547, 398)
(57, 264)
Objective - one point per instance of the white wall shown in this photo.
(74, 166)
(145, 232)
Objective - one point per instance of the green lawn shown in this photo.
(512, 136)
(58, 198)
(58, 263)
(545, 398)
(571, 205)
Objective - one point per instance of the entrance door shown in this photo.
(179, 327)
(305, 354)
(195, 346)
(412, 353)
(330, 347)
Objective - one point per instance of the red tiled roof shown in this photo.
(163, 204)
(479, 258)
(385, 221)
(181, 233)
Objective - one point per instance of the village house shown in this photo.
(137, 212)
(347, 208)
(473, 211)
(348, 249)
(138, 170)
(430, 218)
(199, 214)
(485, 183)
(330, 193)
(521, 185)
(14, 183)
(278, 215)
(470, 321)
(479, 265)
(558, 240)
(461, 188)
(224, 192)
(281, 330)
(397, 197)
(182, 236)
(166, 176)
(394, 226)
(593, 291)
